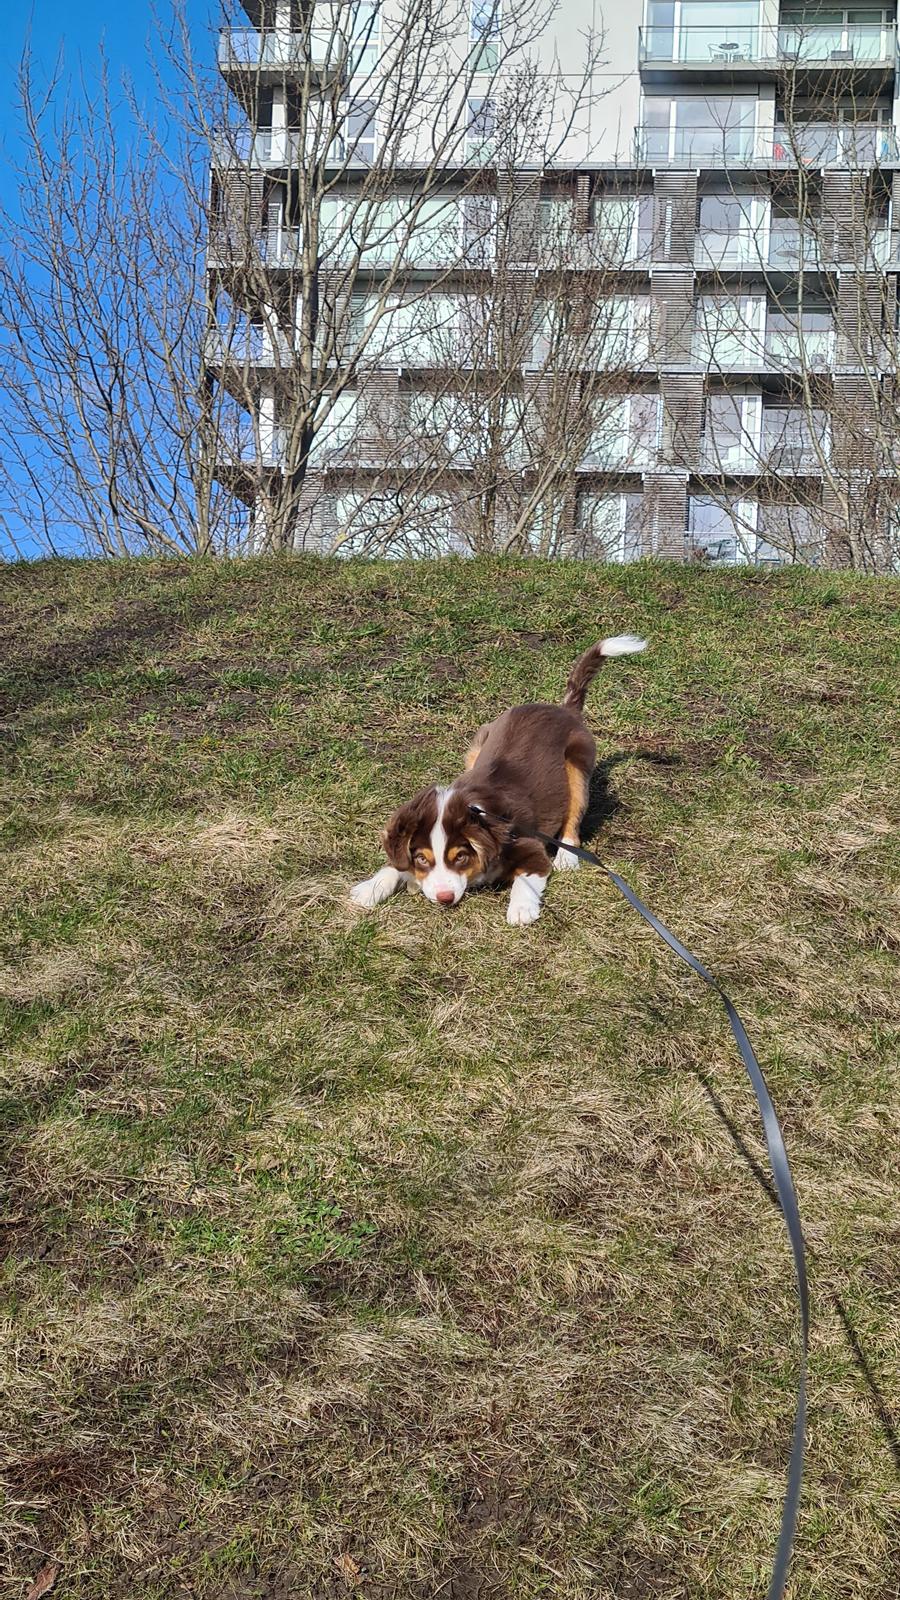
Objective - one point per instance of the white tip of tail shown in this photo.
(624, 644)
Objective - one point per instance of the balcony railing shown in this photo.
(810, 350)
(418, 250)
(788, 249)
(824, 144)
(706, 146)
(247, 454)
(727, 455)
(277, 50)
(791, 247)
(838, 45)
(284, 147)
(805, 144)
(740, 248)
(622, 453)
(752, 44)
(252, 347)
(789, 442)
(596, 248)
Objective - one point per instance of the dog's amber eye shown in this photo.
(421, 859)
(461, 859)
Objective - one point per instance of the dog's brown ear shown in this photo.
(398, 835)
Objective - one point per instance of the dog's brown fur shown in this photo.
(527, 772)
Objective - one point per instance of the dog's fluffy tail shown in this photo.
(586, 668)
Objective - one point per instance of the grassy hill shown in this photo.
(413, 1255)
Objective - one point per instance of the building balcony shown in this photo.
(796, 456)
(276, 52)
(792, 247)
(741, 249)
(739, 338)
(735, 50)
(825, 144)
(809, 144)
(426, 250)
(800, 350)
(285, 148)
(788, 248)
(251, 348)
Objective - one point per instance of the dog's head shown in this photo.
(445, 842)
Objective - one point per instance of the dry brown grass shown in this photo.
(411, 1255)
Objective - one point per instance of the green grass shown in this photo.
(411, 1254)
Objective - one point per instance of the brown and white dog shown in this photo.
(528, 770)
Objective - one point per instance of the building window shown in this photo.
(621, 335)
(622, 229)
(430, 231)
(479, 229)
(795, 438)
(696, 31)
(730, 436)
(465, 429)
(713, 130)
(358, 133)
(556, 229)
(421, 332)
(789, 532)
(609, 527)
(613, 331)
(625, 434)
(732, 230)
(365, 37)
(722, 532)
(730, 331)
(800, 339)
(338, 430)
(794, 244)
(481, 128)
(422, 233)
(395, 523)
(484, 34)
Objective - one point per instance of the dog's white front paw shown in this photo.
(372, 891)
(520, 913)
(564, 861)
(525, 900)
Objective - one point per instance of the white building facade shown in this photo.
(744, 155)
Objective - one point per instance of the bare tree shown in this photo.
(394, 232)
(358, 206)
(527, 392)
(110, 414)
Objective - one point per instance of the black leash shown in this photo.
(787, 1197)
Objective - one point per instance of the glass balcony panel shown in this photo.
(796, 348)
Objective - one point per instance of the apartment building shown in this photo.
(717, 189)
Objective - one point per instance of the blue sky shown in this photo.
(79, 26)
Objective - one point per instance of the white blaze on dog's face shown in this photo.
(433, 840)
(439, 867)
